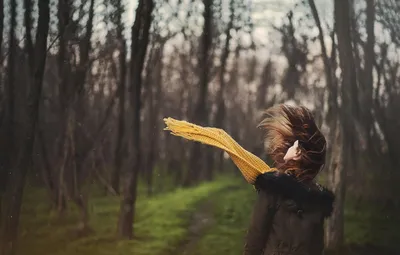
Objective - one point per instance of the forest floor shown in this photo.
(210, 219)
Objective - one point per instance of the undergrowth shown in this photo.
(162, 223)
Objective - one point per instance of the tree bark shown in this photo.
(368, 73)
(347, 112)
(333, 154)
(332, 98)
(1, 40)
(115, 178)
(28, 30)
(47, 173)
(75, 116)
(335, 224)
(200, 115)
(140, 30)
(219, 120)
(13, 199)
(1, 61)
(64, 93)
(3, 114)
(154, 102)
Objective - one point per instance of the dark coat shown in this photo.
(288, 217)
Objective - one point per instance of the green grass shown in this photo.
(367, 223)
(161, 223)
(232, 214)
(364, 224)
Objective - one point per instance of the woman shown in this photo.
(289, 213)
(290, 210)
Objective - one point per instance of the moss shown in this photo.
(161, 223)
(232, 212)
(371, 224)
(365, 225)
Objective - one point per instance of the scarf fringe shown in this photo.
(249, 164)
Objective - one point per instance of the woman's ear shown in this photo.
(293, 153)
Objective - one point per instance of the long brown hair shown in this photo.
(284, 125)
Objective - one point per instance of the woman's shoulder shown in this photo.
(290, 188)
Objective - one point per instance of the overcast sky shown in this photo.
(264, 13)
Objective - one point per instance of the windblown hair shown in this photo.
(284, 125)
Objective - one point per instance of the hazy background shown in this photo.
(86, 168)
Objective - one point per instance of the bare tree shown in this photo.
(388, 11)
(3, 103)
(331, 118)
(140, 38)
(64, 71)
(121, 99)
(14, 192)
(8, 122)
(367, 91)
(153, 83)
(221, 108)
(200, 114)
(1, 51)
(329, 72)
(296, 52)
(1, 36)
(348, 112)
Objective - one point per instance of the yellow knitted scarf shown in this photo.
(249, 164)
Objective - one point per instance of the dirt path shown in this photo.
(201, 220)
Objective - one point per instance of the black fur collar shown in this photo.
(302, 194)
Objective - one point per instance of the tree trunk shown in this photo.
(1, 65)
(75, 106)
(335, 226)
(9, 116)
(219, 120)
(115, 178)
(140, 30)
(153, 114)
(64, 93)
(14, 192)
(47, 173)
(332, 99)
(28, 30)
(1, 39)
(200, 115)
(3, 113)
(368, 77)
(348, 112)
(335, 170)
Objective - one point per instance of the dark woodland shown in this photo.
(86, 167)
